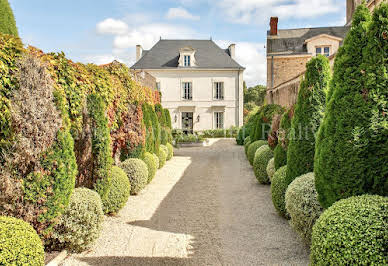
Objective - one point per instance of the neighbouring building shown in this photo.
(201, 84)
(288, 51)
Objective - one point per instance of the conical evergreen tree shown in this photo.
(352, 144)
(309, 110)
(7, 19)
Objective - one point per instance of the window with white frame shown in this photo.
(218, 90)
(187, 59)
(219, 120)
(325, 50)
(187, 93)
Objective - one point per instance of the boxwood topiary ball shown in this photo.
(151, 165)
(118, 193)
(156, 159)
(278, 190)
(262, 157)
(303, 206)
(170, 151)
(19, 243)
(137, 173)
(247, 142)
(353, 231)
(271, 168)
(253, 148)
(162, 156)
(81, 223)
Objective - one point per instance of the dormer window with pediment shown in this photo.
(187, 57)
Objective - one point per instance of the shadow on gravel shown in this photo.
(111, 261)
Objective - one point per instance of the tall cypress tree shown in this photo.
(7, 19)
(309, 110)
(352, 149)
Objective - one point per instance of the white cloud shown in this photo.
(258, 11)
(180, 13)
(250, 55)
(112, 26)
(100, 59)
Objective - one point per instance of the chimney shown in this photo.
(232, 50)
(139, 51)
(274, 26)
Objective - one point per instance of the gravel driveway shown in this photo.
(204, 207)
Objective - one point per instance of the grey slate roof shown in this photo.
(165, 55)
(292, 41)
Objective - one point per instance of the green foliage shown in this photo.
(303, 206)
(220, 133)
(137, 173)
(263, 120)
(240, 138)
(151, 165)
(271, 169)
(352, 231)
(308, 115)
(102, 159)
(167, 118)
(262, 156)
(247, 142)
(7, 19)
(253, 148)
(170, 149)
(156, 160)
(162, 155)
(352, 143)
(278, 190)
(255, 95)
(189, 138)
(81, 223)
(119, 191)
(19, 243)
(284, 134)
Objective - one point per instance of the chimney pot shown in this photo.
(139, 52)
(274, 25)
(232, 50)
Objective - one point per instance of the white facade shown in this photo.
(204, 103)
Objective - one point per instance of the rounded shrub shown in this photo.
(165, 149)
(81, 223)
(308, 115)
(156, 159)
(151, 166)
(253, 148)
(118, 193)
(19, 243)
(137, 173)
(247, 142)
(271, 168)
(170, 149)
(162, 156)
(303, 206)
(352, 231)
(278, 190)
(262, 157)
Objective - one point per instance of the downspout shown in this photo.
(272, 79)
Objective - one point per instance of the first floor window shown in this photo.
(187, 91)
(219, 120)
(219, 90)
(323, 50)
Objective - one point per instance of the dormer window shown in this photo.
(323, 50)
(187, 60)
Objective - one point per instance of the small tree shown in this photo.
(309, 111)
(263, 121)
(352, 144)
(7, 19)
(280, 152)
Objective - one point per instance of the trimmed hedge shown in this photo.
(262, 156)
(151, 166)
(119, 191)
(170, 149)
(162, 155)
(352, 231)
(352, 144)
(137, 173)
(253, 148)
(303, 206)
(308, 115)
(81, 223)
(7, 19)
(284, 134)
(278, 190)
(156, 159)
(19, 243)
(271, 169)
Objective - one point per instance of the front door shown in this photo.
(187, 122)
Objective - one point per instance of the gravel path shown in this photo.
(204, 207)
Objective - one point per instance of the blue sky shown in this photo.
(100, 31)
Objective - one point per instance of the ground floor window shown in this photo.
(219, 119)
